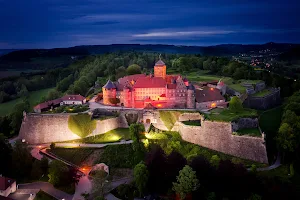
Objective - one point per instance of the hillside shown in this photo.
(40, 59)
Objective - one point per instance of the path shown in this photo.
(46, 187)
(67, 144)
(274, 166)
(84, 186)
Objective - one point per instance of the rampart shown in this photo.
(47, 128)
(263, 103)
(218, 136)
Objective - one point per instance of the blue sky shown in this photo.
(65, 23)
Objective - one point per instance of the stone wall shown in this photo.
(218, 136)
(189, 116)
(47, 128)
(244, 123)
(263, 103)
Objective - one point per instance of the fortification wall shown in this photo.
(263, 103)
(47, 128)
(189, 116)
(244, 123)
(218, 136)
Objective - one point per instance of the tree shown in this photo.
(215, 160)
(21, 160)
(187, 182)
(5, 155)
(285, 138)
(100, 182)
(141, 176)
(114, 101)
(36, 171)
(58, 172)
(135, 131)
(235, 104)
(120, 72)
(44, 165)
(17, 115)
(133, 69)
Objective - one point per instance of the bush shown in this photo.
(81, 124)
(235, 104)
(253, 168)
(215, 160)
(52, 146)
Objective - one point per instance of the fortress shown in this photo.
(158, 91)
(47, 128)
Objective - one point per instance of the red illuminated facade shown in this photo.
(159, 91)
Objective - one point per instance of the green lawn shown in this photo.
(280, 172)
(250, 132)
(34, 97)
(235, 85)
(74, 155)
(269, 121)
(227, 115)
(262, 93)
(110, 136)
(201, 76)
(41, 195)
(169, 117)
(192, 123)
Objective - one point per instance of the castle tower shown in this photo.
(109, 91)
(160, 69)
(190, 97)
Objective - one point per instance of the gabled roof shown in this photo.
(150, 82)
(48, 104)
(77, 97)
(5, 182)
(160, 63)
(109, 85)
(207, 94)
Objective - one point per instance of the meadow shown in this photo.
(34, 97)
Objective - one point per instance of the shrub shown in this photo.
(253, 168)
(52, 146)
(215, 160)
(235, 104)
(81, 124)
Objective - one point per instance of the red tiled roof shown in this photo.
(77, 97)
(206, 94)
(125, 79)
(171, 86)
(150, 82)
(48, 103)
(5, 182)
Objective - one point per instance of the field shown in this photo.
(34, 97)
(74, 155)
(262, 93)
(201, 76)
(227, 115)
(249, 132)
(41, 195)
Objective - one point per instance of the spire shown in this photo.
(109, 85)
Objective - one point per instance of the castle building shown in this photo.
(142, 91)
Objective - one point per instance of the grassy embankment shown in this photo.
(34, 97)
(41, 195)
(227, 115)
(262, 93)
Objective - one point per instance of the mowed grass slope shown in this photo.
(74, 155)
(169, 118)
(34, 97)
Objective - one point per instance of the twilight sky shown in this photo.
(65, 23)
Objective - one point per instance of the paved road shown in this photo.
(91, 145)
(84, 186)
(48, 188)
(274, 166)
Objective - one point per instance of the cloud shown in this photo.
(182, 33)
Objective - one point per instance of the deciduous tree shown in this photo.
(141, 176)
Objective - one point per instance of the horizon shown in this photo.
(153, 45)
(54, 24)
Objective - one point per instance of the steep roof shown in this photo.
(206, 94)
(109, 85)
(76, 97)
(160, 63)
(5, 182)
(150, 82)
(47, 104)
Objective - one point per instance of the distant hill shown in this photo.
(6, 51)
(49, 58)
